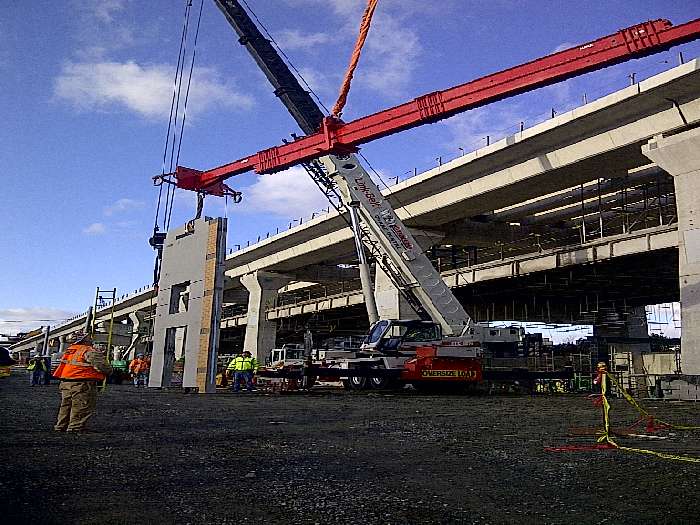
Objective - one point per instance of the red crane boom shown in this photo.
(338, 137)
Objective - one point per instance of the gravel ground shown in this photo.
(333, 457)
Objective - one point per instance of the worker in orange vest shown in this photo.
(82, 367)
(139, 368)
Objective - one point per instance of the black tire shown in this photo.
(382, 383)
(356, 383)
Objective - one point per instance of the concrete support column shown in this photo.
(679, 155)
(390, 303)
(260, 334)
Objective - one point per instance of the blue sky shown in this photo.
(87, 88)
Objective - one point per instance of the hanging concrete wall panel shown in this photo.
(190, 295)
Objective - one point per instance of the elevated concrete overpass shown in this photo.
(602, 139)
(500, 274)
(130, 318)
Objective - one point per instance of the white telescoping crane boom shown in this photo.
(391, 243)
(417, 277)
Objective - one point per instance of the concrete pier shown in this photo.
(679, 155)
(263, 288)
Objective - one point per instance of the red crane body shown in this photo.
(338, 137)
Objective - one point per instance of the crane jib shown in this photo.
(337, 137)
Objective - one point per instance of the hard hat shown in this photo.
(601, 366)
(139, 355)
(80, 337)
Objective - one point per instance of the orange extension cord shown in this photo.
(355, 58)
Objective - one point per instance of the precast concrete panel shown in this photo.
(188, 306)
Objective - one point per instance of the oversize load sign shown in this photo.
(457, 374)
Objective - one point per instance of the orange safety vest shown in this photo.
(74, 367)
(139, 365)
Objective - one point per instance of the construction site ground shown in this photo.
(335, 457)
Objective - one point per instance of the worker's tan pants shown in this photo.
(78, 401)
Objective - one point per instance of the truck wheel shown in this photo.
(382, 383)
(355, 383)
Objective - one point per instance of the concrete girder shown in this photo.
(572, 196)
(570, 128)
(468, 232)
(632, 199)
(323, 273)
(188, 311)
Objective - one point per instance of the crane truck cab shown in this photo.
(397, 352)
(403, 337)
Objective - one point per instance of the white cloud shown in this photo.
(470, 129)
(96, 228)
(15, 320)
(293, 39)
(393, 46)
(347, 7)
(320, 81)
(102, 26)
(123, 205)
(290, 193)
(392, 53)
(563, 46)
(144, 89)
(104, 10)
(125, 224)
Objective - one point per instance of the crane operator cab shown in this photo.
(393, 336)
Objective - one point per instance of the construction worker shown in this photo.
(82, 367)
(47, 371)
(36, 366)
(243, 367)
(139, 368)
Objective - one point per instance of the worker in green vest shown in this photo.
(37, 369)
(243, 367)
